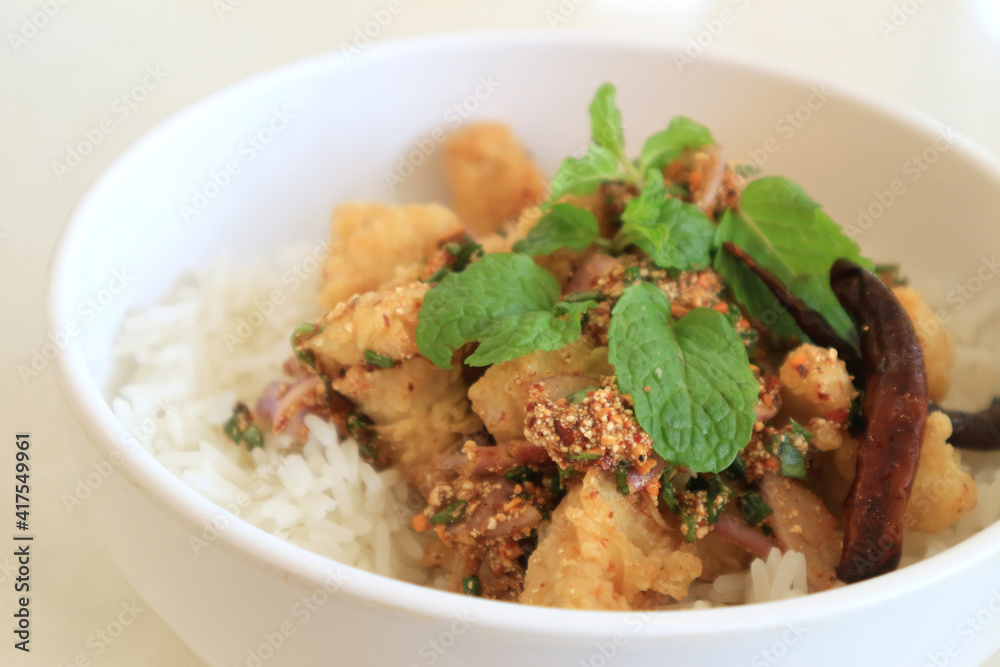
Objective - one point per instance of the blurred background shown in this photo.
(67, 66)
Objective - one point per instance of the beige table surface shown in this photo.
(64, 63)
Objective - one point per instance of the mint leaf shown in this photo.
(791, 236)
(517, 335)
(641, 223)
(582, 176)
(675, 234)
(663, 147)
(573, 309)
(691, 233)
(505, 302)
(691, 384)
(606, 121)
(564, 226)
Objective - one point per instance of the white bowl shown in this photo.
(333, 129)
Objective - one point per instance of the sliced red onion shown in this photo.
(638, 481)
(704, 198)
(267, 402)
(586, 276)
(292, 407)
(734, 530)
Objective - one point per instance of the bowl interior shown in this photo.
(263, 164)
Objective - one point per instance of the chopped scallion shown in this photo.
(377, 360)
(452, 513)
(753, 509)
(471, 586)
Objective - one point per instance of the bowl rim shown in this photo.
(267, 552)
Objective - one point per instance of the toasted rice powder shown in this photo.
(222, 335)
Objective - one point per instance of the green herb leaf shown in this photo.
(300, 335)
(578, 396)
(519, 474)
(514, 336)
(675, 234)
(505, 302)
(582, 456)
(753, 509)
(691, 384)
(621, 477)
(641, 224)
(606, 121)
(452, 513)
(718, 494)
(564, 226)
(240, 428)
(667, 491)
(582, 176)
(691, 233)
(373, 358)
(472, 586)
(788, 234)
(791, 460)
(465, 251)
(573, 309)
(362, 430)
(664, 147)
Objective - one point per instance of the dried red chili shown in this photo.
(895, 411)
(811, 322)
(975, 430)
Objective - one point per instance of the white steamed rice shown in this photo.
(223, 335)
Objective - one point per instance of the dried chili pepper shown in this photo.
(811, 322)
(974, 430)
(895, 411)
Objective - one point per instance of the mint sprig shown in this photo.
(675, 234)
(506, 303)
(641, 223)
(650, 218)
(791, 236)
(690, 381)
